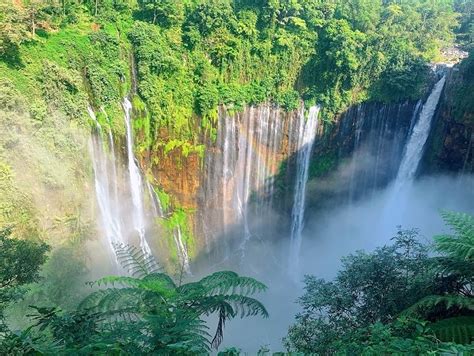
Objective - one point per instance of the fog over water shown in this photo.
(334, 233)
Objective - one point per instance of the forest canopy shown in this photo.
(191, 56)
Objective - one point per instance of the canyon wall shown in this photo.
(450, 145)
(248, 173)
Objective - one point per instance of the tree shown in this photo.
(148, 312)
(164, 12)
(20, 262)
(13, 29)
(35, 11)
(452, 308)
(369, 309)
(369, 288)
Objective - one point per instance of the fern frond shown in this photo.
(161, 280)
(219, 335)
(449, 301)
(134, 260)
(246, 306)
(228, 281)
(459, 329)
(451, 266)
(460, 245)
(112, 300)
(461, 223)
(183, 335)
(118, 280)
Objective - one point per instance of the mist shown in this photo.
(336, 232)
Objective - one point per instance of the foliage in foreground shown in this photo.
(146, 312)
(396, 299)
(20, 261)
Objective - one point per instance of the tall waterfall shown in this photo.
(239, 175)
(416, 143)
(136, 183)
(306, 138)
(182, 250)
(105, 179)
(181, 247)
(121, 195)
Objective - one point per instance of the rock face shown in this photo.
(360, 152)
(238, 178)
(450, 145)
(248, 173)
(179, 176)
(235, 182)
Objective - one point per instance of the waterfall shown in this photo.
(240, 169)
(414, 148)
(158, 212)
(105, 180)
(249, 149)
(306, 138)
(182, 250)
(136, 183)
(117, 208)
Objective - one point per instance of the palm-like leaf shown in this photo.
(448, 266)
(459, 246)
(171, 314)
(227, 281)
(459, 329)
(448, 301)
(456, 266)
(134, 261)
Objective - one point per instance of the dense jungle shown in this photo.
(236, 177)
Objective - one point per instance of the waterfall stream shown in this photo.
(120, 197)
(306, 138)
(136, 183)
(105, 179)
(416, 143)
(239, 175)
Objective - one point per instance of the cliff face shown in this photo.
(248, 173)
(238, 180)
(450, 145)
(360, 152)
(236, 177)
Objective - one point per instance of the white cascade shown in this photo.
(306, 137)
(182, 250)
(158, 212)
(136, 183)
(414, 148)
(105, 180)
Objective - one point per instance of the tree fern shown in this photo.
(134, 261)
(448, 301)
(455, 267)
(459, 329)
(171, 315)
(461, 244)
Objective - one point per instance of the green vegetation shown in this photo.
(20, 261)
(463, 105)
(397, 299)
(191, 55)
(322, 165)
(178, 61)
(143, 314)
(178, 222)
